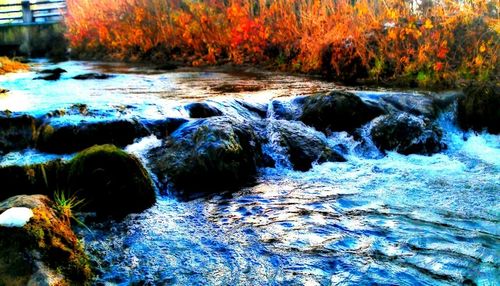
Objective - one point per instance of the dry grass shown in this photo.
(7, 65)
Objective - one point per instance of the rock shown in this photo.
(202, 110)
(87, 76)
(284, 110)
(53, 71)
(161, 128)
(337, 111)
(17, 132)
(303, 145)
(52, 76)
(479, 108)
(44, 251)
(63, 137)
(207, 155)
(416, 104)
(2, 90)
(257, 108)
(32, 179)
(15, 217)
(110, 181)
(237, 88)
(406, 134)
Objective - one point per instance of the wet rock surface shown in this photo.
(303, 145)
(61, 137)
(407, 134)
(44, 251)
(479, 108)
(88, 76)
(208, 155)
(337, 111)
(17, 131)
(202, 110)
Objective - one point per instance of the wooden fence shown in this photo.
(34, 12)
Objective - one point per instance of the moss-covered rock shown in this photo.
(337, 111)
(406, 134)
(44, 251)
(17, 132)
(303, 144)
(479, 108)
(32, 179)
(62, 137)
(110, 180)
(208, 155)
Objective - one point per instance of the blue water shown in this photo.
(392, 220)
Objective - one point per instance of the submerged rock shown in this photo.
(51, 76)
(208, 155)
(110, 181)
(202, 110)
(43, 251)
(479, 108)
(92, 76)
(406, 134)
(416, 104)
(259, 109)
(303, 144)
(17, 132)
(61, 137)
(337, 111)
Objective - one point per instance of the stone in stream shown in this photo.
(337, 111)
(17, 132)
(53, 71)
(208, 155)
(2, 90)
(62, 137)
(303, 145)
(202, 110)
(32, 179)
(44, 250)
(111, 181)
(406, 134)
(479, 108)
(87, 76)
(50, 76)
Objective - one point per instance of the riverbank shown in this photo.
(9, 65)
(376, 42)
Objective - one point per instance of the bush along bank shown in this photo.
(372, 42)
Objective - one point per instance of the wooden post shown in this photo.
(27, 14)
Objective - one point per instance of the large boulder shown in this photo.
(303, 145)
(414, 103)
(17, 132)
(406, 134)
(61, 136)
(207, 155)
(479, 108)
(41, 178)
(337, 111)
(37, 245)
(111, 181)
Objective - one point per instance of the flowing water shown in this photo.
(383, 220)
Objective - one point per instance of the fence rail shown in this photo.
(26, 12)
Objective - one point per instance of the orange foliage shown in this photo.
(433, 42)
(7, 65)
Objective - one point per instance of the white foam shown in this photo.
(15, 217)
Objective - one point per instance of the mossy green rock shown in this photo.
(479, 108)
(111, 181)
(208, 155)
(337, 111)
(45, 251)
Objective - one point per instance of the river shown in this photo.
(375, 219)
